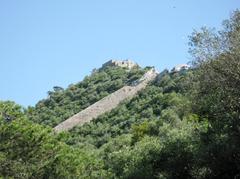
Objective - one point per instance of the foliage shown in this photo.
(28, 150)
(150, 105)
(10, 110)
(216, 97)
(182, 125)
(62, 104)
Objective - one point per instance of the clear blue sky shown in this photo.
(46, 43)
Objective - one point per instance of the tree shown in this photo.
(208, 44)
(10, 110)
(29, 150)
(216, 97)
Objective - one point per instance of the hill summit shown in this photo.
(182, 124)
(120, 63)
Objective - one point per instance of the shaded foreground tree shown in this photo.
(217, 96)
(29, 150)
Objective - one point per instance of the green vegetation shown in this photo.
(62, 104)
(151, 105)
(29, 150)
(183, 125)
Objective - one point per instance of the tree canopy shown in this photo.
(182, 125)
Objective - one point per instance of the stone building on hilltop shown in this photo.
(180, 68)
(121, 63)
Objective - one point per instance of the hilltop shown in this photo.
(182, 123)
(63, 103)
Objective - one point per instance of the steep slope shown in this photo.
(160, 100)
(108, 103)
(185, 124)
(100, 148)
(64, 103)
(141, 137)
(145, 137)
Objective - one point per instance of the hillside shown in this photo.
(160, 100)
(63, 103)
(108, 103)
(183, 124)
(117, 136)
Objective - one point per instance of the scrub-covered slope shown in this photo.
(162, 99)
(108, 103)
(64, 103)
(183, 125)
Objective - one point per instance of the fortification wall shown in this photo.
(106, 104)
(121, 63)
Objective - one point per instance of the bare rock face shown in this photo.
(108, 103)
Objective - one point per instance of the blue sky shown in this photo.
(56, 43)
